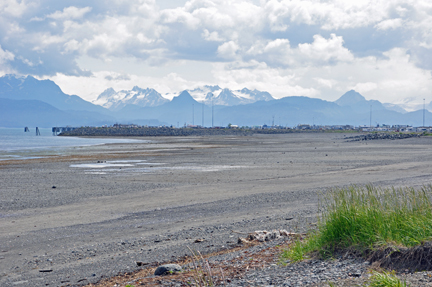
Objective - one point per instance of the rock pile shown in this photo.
(264, 235)
(381, 136)
(167, 131)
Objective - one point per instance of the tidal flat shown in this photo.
(76, 218)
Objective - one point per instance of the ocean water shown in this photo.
(17, 144)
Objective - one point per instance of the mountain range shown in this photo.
(210, 95)
(26, 101)
(115, 101)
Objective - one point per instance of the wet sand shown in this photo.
(94, 211)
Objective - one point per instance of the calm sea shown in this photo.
(17, 144)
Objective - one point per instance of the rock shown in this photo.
(242, 241)
(260, 237)
(45, 270)
(167, 268)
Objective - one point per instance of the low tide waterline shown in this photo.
(16, 144)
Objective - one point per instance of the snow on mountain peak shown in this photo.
(217, 96)
(141, 97)
(207, 94)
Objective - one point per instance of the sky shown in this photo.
(314, 48)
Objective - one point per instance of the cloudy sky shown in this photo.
(314, 48)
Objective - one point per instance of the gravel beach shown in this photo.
(93, 212)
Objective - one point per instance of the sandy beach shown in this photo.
(73, 219)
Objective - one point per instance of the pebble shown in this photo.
(167, 268)
(303, 273)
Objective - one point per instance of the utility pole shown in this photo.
(193, 114)
(202, 125)
(212, 114)
(424, 110)
(370, 117)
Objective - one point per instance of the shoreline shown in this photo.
(178, 190)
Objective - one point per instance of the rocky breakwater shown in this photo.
(381, 136)
(165, 131)
(150, 131)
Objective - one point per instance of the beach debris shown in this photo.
(199, 240)
(45, 270)
(54, 186)
(245, 241)
(167, 269)
(264, 235)
(140, 263)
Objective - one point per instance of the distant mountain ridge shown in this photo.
(29, 101)
(29, 88)
(215, 95)
(356, 101)
(25, 99)
(113, 100)
(210, 95)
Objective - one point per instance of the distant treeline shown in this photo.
(167, 131)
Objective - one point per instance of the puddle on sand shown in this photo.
(117, 170)
(200, 168)
(100, 165)
(17, 157)
(125, 161)
(132, 166)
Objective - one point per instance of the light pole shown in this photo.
(424, 110)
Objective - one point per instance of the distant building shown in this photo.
(303, 127)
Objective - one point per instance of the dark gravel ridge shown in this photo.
(382, 136)
(343, 270)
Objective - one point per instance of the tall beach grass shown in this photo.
(368, 217)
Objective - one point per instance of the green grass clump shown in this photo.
(386, 279)
(368, 217)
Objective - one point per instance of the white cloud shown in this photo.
(389, 24)
(5, 56)
(320, 52)
(213, 36)
(326, 49)
(328, 14)
(14, 8)
(70, 13)
(180, 16)
(228, 50)
(327, 83)
(365, 87)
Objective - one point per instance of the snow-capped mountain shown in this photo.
(394, 107)
(215, 95)
(113, 100)
(225, 97)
